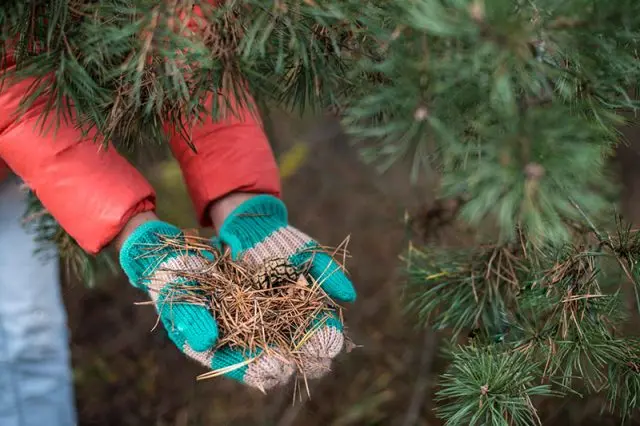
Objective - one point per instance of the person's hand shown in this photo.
(151, 265)
(256, 229)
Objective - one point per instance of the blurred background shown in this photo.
(126, 374)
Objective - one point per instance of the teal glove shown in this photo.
(149, 265)
(257, 231)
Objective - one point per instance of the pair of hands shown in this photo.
(256, 230)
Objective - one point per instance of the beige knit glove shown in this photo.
(258, 231)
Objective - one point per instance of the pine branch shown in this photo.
(499, 95)
(464, 290)
(131, 66)
(53, 241)
(487, 386)
(624, 376)
(554, 305)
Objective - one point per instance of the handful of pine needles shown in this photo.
(273, 307)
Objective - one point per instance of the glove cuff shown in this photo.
(252, 222)
(143, 250)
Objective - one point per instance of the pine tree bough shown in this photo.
(531, 321)
(131, 66)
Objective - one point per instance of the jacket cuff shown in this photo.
(100, 241)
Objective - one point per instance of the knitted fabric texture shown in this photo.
(151, 266)
(261, 372)
(257, 231)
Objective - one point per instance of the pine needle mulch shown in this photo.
(272, 309)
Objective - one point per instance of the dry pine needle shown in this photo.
(274, 308)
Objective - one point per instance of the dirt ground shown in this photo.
(127, 375)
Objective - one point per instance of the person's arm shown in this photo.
(233, 159)
(93, 193)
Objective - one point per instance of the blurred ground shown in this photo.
(128, 375)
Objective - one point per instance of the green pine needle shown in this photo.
(55, 242)
(490, 386)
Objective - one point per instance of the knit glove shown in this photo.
(257, 231)
(149, 263)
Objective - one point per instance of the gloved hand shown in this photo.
(257, 231)
(149, 263)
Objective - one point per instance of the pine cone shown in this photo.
(273, 273)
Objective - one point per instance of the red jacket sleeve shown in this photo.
(232, 155)
(91, 192)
